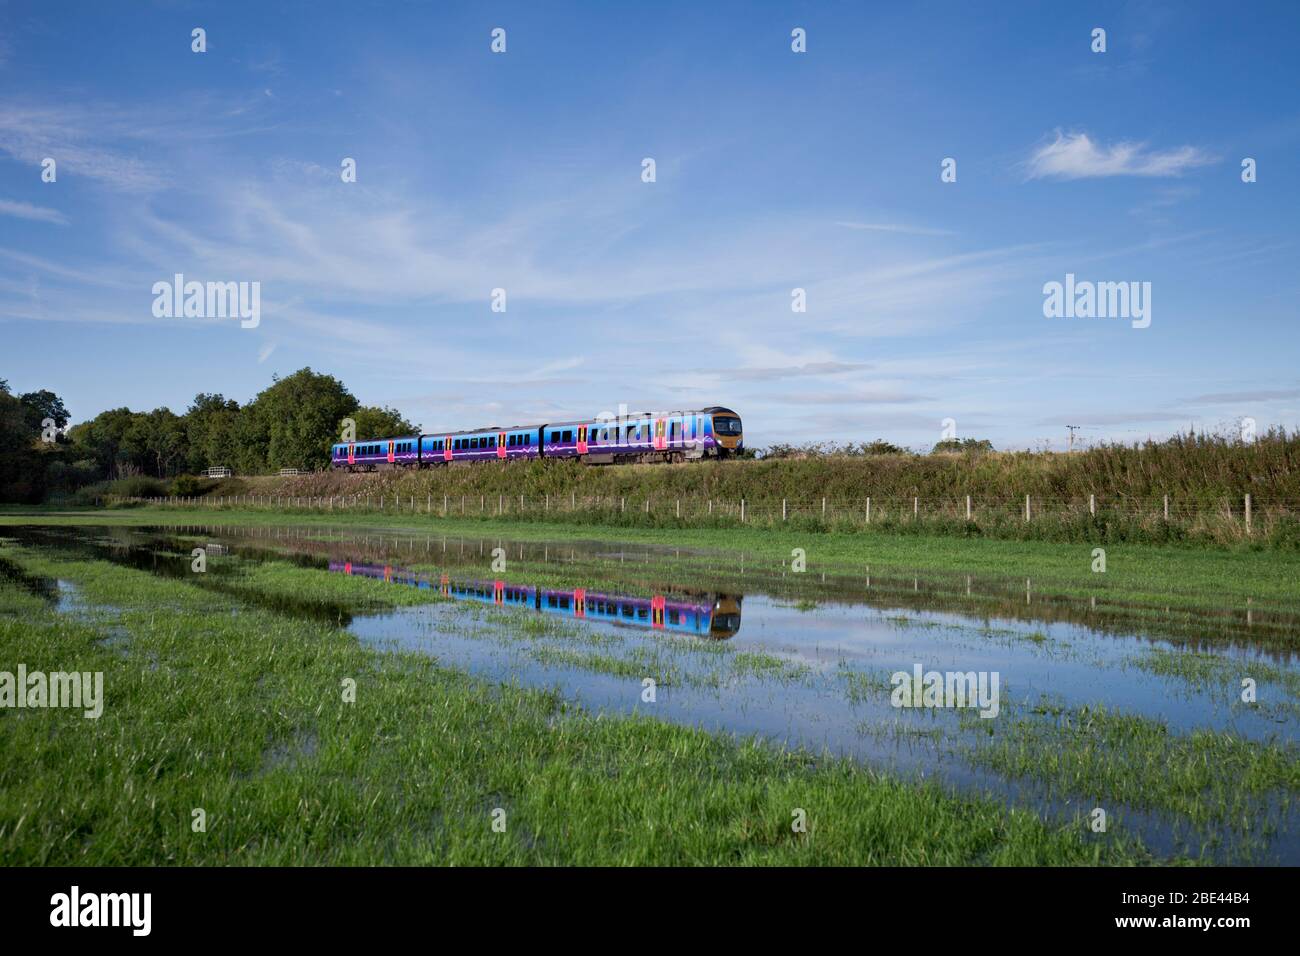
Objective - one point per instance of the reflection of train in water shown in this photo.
(715, 616)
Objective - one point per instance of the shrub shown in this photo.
(187, 486)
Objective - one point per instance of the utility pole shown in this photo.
(1073, 429)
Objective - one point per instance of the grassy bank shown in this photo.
(214, 704)
(1188, 490)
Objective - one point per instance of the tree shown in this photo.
(971, 445)
(211, 424)
(42, 405)
(298, 417)
(373, 422)
(22, 472)
(106, 439)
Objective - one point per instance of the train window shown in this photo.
(674, 617)
(568, 434)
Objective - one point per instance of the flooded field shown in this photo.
(1180, 725)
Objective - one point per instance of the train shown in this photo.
(713, 432)
(708, 615)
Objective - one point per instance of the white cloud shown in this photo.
(25, 210)
(1076, 156)
(894, 227)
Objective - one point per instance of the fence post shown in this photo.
(1026, 507)
(548, 501)
(710, 506)
(1166, 507)
(521, 504)
(444, 506)
(1247, 514)
(968, 507)
(916, 508)
(501, 500)
(573, 500)
(428, 503)
(679, 507)
(1092, 505)
(622, 504)
(823, 507)
(868, 509)
(782, 509)
(742, 510)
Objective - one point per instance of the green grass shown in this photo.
(215, 704)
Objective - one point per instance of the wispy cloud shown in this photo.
(1258, 395)
(894, 227)
(1076, 156)
(25, 210)
(805, 370)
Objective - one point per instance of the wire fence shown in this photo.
(767, 511)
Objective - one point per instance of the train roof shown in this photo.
(372, 441)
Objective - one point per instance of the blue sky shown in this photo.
(774, 170)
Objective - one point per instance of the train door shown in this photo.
(582, 439)
(661, 442)
(501, 444)
(657, 610)
(498, 592)
(579, 602)
(391, 456)
(352, 453)
(446, 448)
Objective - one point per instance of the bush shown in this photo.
(138, 487)
(187, 486)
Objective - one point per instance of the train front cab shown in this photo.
(728, 435)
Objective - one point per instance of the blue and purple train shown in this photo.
(713, 432)
(704, 614)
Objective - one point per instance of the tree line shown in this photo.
(290, 424)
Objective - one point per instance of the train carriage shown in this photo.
(401, 452)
